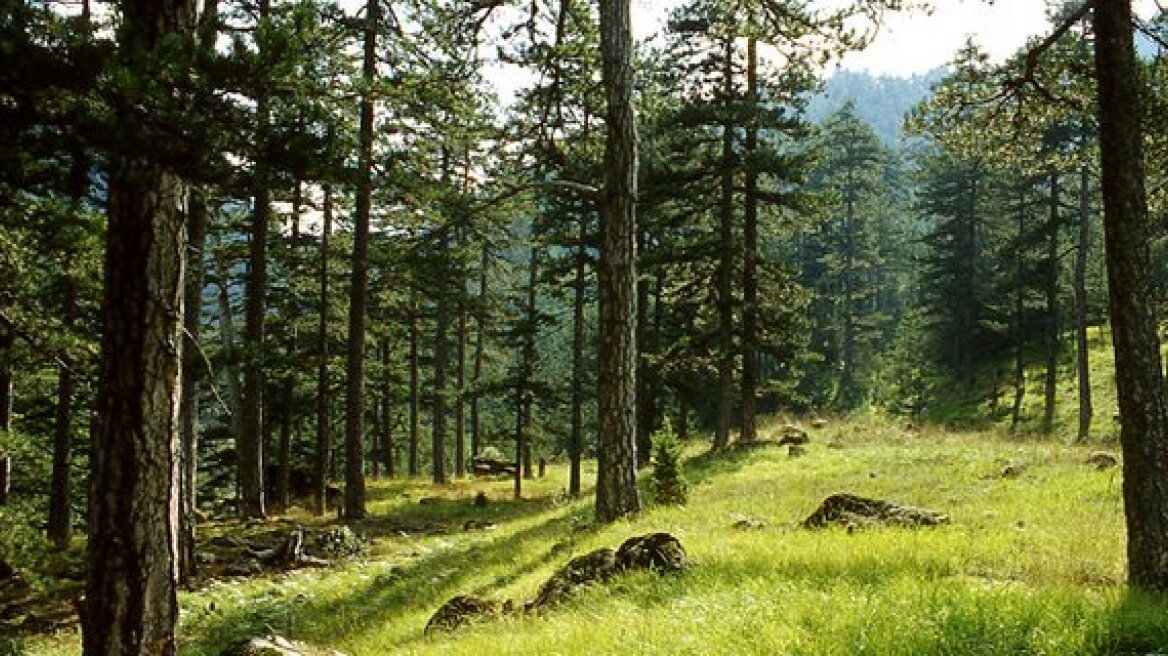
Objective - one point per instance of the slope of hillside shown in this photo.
(1032, 562)
(881, 101)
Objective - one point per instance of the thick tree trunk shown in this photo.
(726, 262)
(60, 526)
(323, 435)
(750, 256)
(131, 606)
(576, 435)
(1082, 350)
(616, 476)
(1139, 381)
(359, 282)
(1050, 388)
(192, 374)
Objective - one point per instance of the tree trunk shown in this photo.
(616, 477)
(1139, 381)
(477, 372)
(60, 526)
(1050, 390)
(251, 442)
(460, 382)
(1082, 349)
(576, 436)
(644, 397)
(323, 436)
(227, 341)
(523, 394)
(387, 441)
(415, 466)
(359, 282)
(441, 355)
(726, 262)
(7, 341)
(750, 256)
(288, 414)
(1019, 319)
(192, 374)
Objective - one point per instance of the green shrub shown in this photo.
(669, 484)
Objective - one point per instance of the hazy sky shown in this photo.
(914, 42)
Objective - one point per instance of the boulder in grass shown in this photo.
(1103, 460)
(792, 434)
(660, 552)
(463, 610)
(277, 646)
(592, 567)
(854, 511)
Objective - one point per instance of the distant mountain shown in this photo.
(880, 100)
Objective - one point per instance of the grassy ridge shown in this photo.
(1030, 564)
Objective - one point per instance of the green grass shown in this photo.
(1029, 565)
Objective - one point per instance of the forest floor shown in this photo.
(1031, 562)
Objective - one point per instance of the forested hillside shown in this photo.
(257, 256)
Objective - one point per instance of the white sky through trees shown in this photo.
(915, 42)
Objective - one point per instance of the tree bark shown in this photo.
(359, 282)
(1050, 388)
(726, 261)
(387, 441)
(1082, 350)
(460, 379)
(616, 478)
(192, 375)
(1139, 381)
(7, 341)
(60, 525)
(323, 435)
(480, 343)
(576, 436)
(750, 256)
(251, 442)
(415, 465)
(441, 355)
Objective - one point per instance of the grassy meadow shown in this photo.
(1031, 563)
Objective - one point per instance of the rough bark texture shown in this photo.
(130, 602)
(750, 258)
(726, 262)
(1082, 350)
(616, 477)
(1139, 382)
(131, 606)
(359, 283)
(323, 435)
(192, 374)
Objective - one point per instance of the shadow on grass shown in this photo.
(1137, 623)
(417, 585)
(719, 462)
